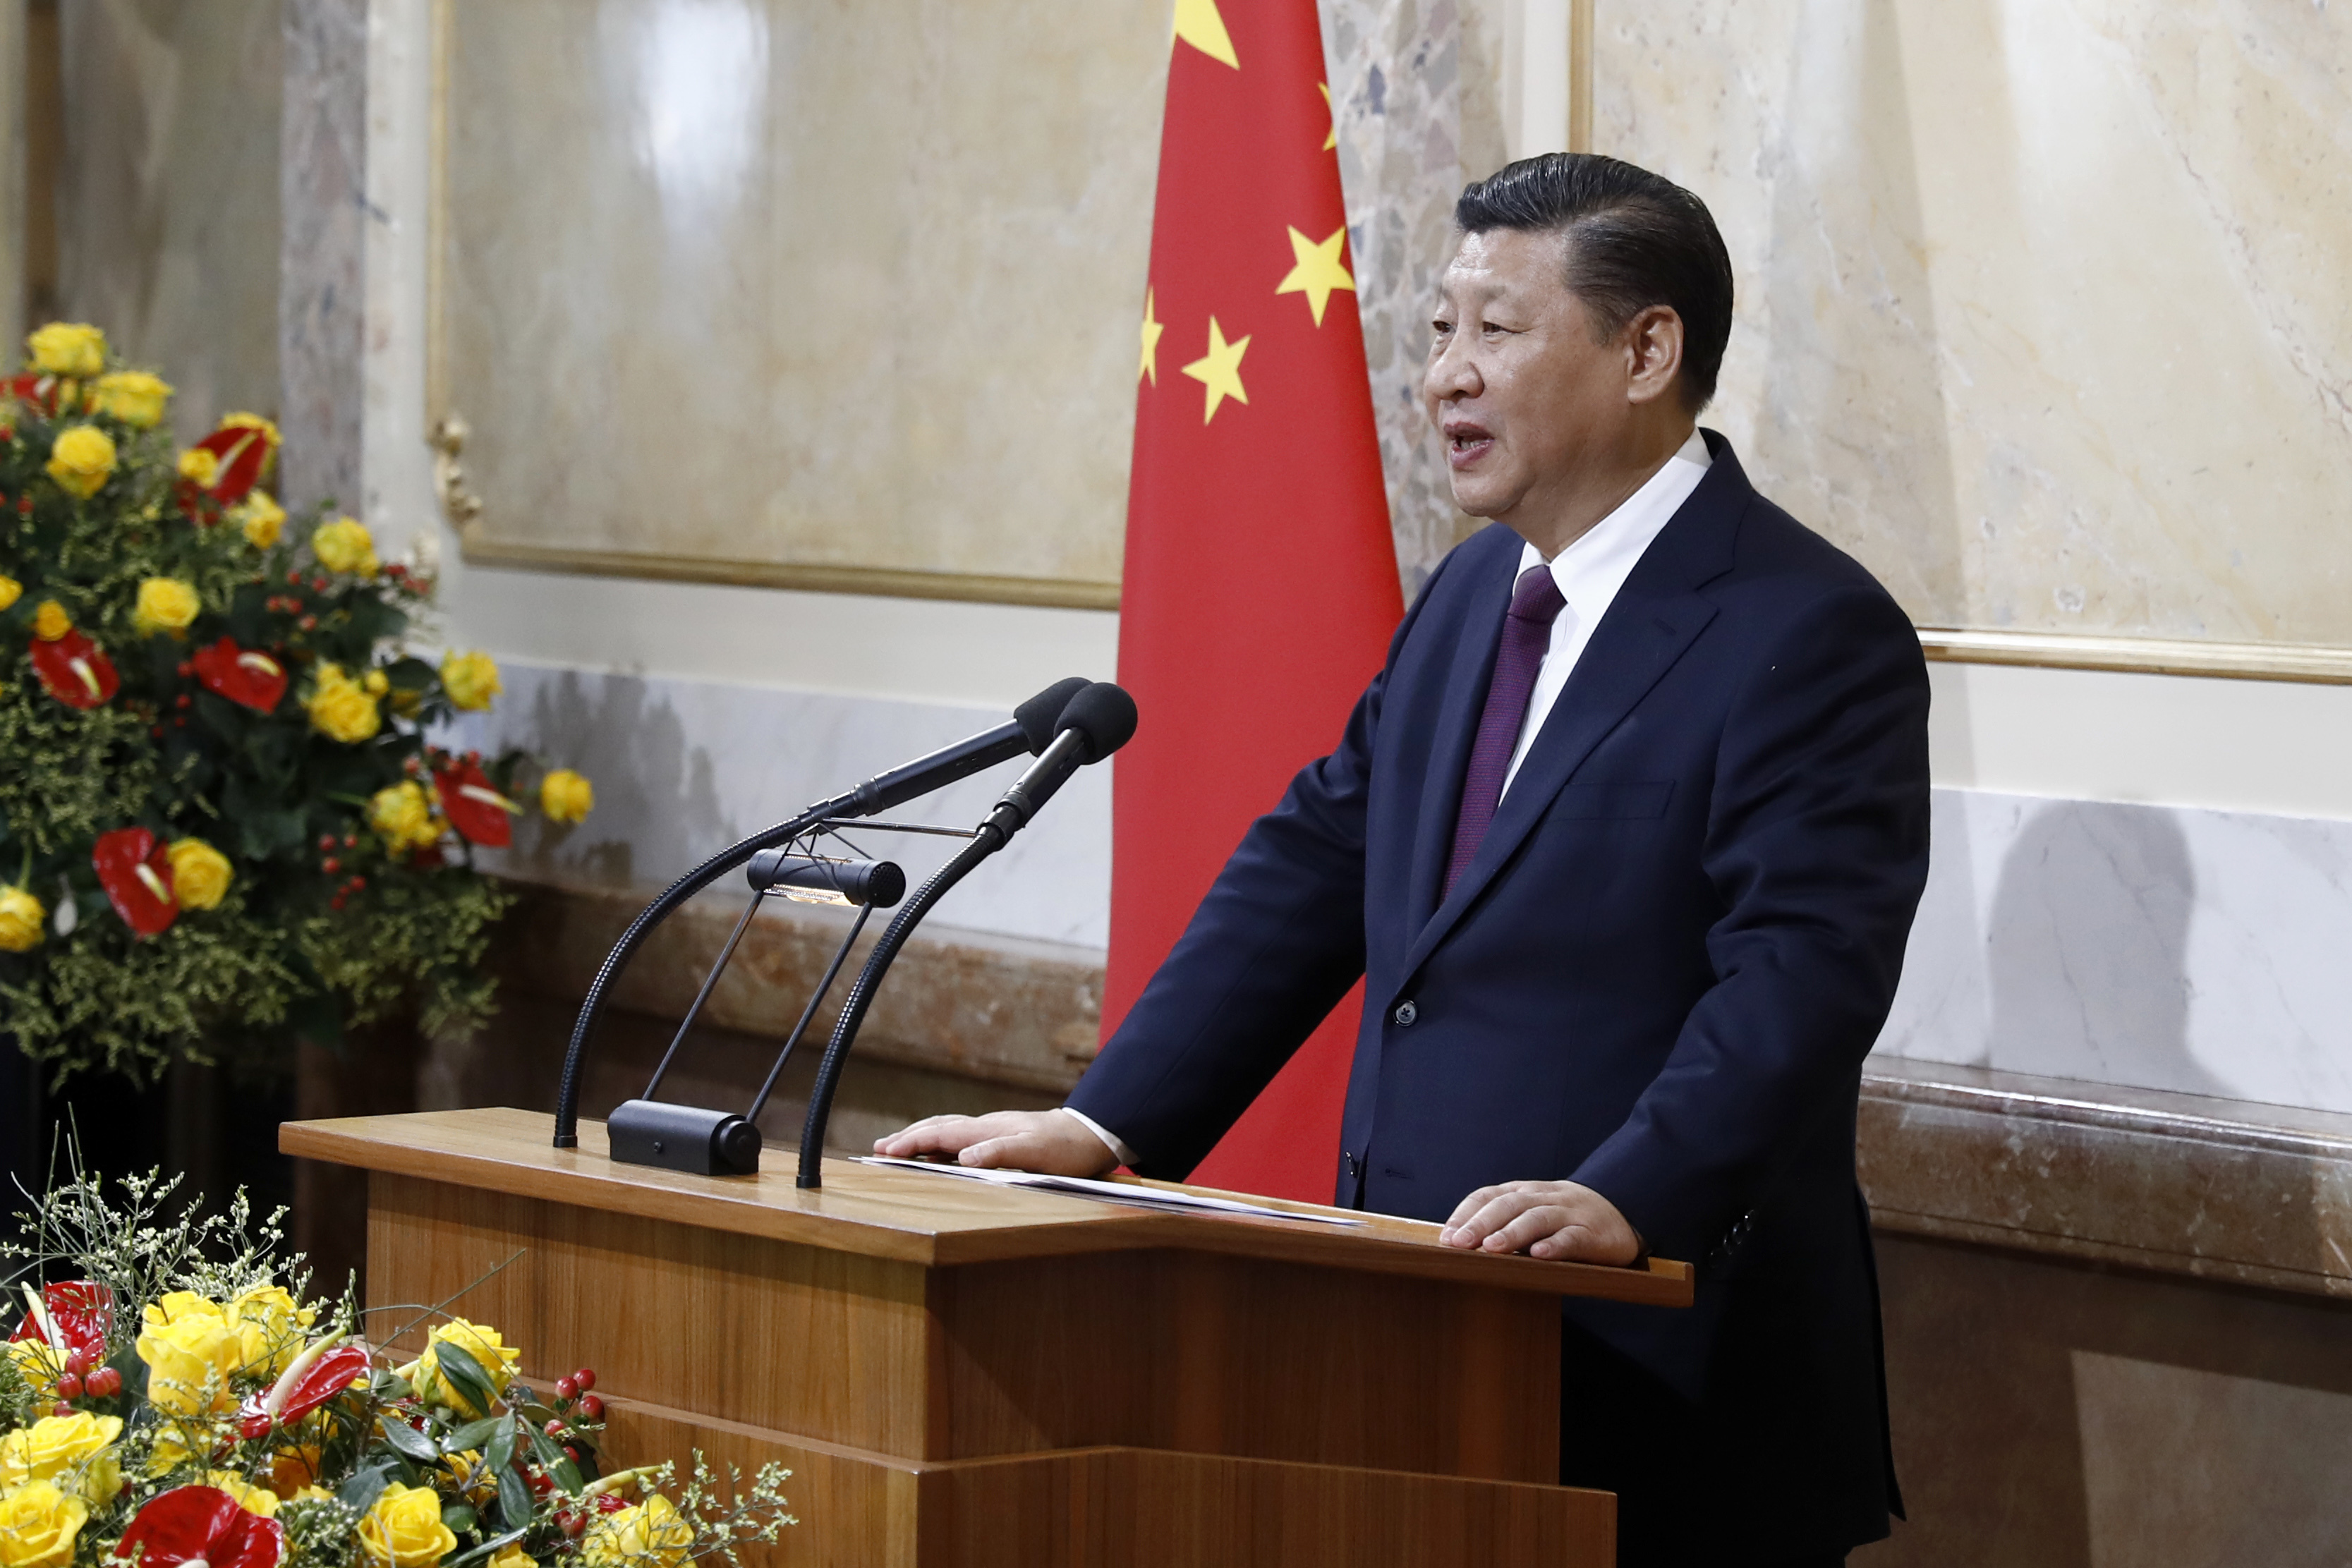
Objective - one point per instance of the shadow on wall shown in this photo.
(656, 801)
(2087, 951)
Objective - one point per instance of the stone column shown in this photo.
(322, 300)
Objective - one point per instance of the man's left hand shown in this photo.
(1556, 1221)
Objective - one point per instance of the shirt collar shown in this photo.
(1603, 555)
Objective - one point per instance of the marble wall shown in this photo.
(168, 206)
(2043, 309)
(2156, 947)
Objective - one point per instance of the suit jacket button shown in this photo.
(1406, 1012)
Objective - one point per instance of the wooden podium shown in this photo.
(960, 1374)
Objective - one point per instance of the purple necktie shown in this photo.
(1536, 603)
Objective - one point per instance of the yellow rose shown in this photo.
(375, 683)
(68, 348)
(345, 545)
(566, 796)
(250, 1498)
(173, 1305)
(470, 679)
(200, 468)
(200, 876)
(294, 1472)
(269, 1321)
(402, 815)
(165, 604)
(50, 620)
(404, 1530)
(81, 459)
(464, 1472)
(37, 1526)
(134, 397)
(74, 1451)
(513, 1557)
(11, 590)
(260, 518)
(341, 709)
(496, 1358)
(21, 916)
(650, 1534)
(189, 1358)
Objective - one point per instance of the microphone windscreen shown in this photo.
(1104, 715)
(1040, 717)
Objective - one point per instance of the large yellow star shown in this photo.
(1220, 370)
(1152, 331)
(1318, 270)
(1198, 24)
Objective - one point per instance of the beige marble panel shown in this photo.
(2044, 311)
(803, 283)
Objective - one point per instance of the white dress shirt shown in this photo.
(1590, 573)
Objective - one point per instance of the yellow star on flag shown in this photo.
(1198, 24)
(1318, 270)
(1330, 137)
(1152, 331)
(1220, 370)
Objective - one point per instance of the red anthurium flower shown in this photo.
(315, 1376)
(255, 680)
(474, 808)
(243, 452)
(36, 392)
(75, 671)
(79, 1313)
(136, 873)
(202, 1526)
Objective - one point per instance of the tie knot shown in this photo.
(1536, 597)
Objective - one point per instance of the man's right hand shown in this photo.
(1051, 1142)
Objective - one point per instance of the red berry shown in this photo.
(554, 1428)
(76, 1361)
(105, 1383)
(68, 1386)
(186, 669)
(294, 579)
(179, 723)
(350, 840)
(571, 1453)
(61, 1409)
(183, 700)
(573, 1524)
(335, 903)
(565, 1387)
(356, 883)
(156, 730)
(584, 1379)
(309, 623)
(330, 865)
(591, 1407)
(326, 843)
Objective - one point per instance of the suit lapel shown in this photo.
(1456, 731)
(1655, 617)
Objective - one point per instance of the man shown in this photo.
(1625, 840)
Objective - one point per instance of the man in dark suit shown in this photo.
(1626, 841)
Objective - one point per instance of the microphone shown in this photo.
(1032, 729)
(1033, 726)
(1098, 720)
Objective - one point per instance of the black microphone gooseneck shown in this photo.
(1098, 721)
(1033, 729)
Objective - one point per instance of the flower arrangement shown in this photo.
(162, 1407)
(221, 821)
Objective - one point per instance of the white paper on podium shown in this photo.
(1109, 1191)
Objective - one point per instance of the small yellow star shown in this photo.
(1330, 137)
(1220, 370)
(1198, 24)
(1152, 331)
(1318, 270)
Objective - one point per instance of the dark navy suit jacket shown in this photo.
(1658, 977)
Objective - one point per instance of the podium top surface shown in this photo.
(912, 1217)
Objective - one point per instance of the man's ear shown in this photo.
(1653, 341)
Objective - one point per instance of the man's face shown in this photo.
(1523, 392)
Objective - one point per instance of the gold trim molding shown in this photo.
(2140, 655)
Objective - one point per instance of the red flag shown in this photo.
(1260, 580)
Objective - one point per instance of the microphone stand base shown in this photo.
(683, 1138)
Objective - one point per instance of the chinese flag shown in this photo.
(1261, 581)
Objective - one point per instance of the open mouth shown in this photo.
(1466, 442)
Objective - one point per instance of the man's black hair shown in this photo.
(1634, 240)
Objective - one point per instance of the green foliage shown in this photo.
(327, 920)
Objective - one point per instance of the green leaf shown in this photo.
(465, 1374)
(366, 1485)
(472, 1435)
(407, 1441)
(458, 1517)
(499, 1453)
(566, 1474)
(514, 1498)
